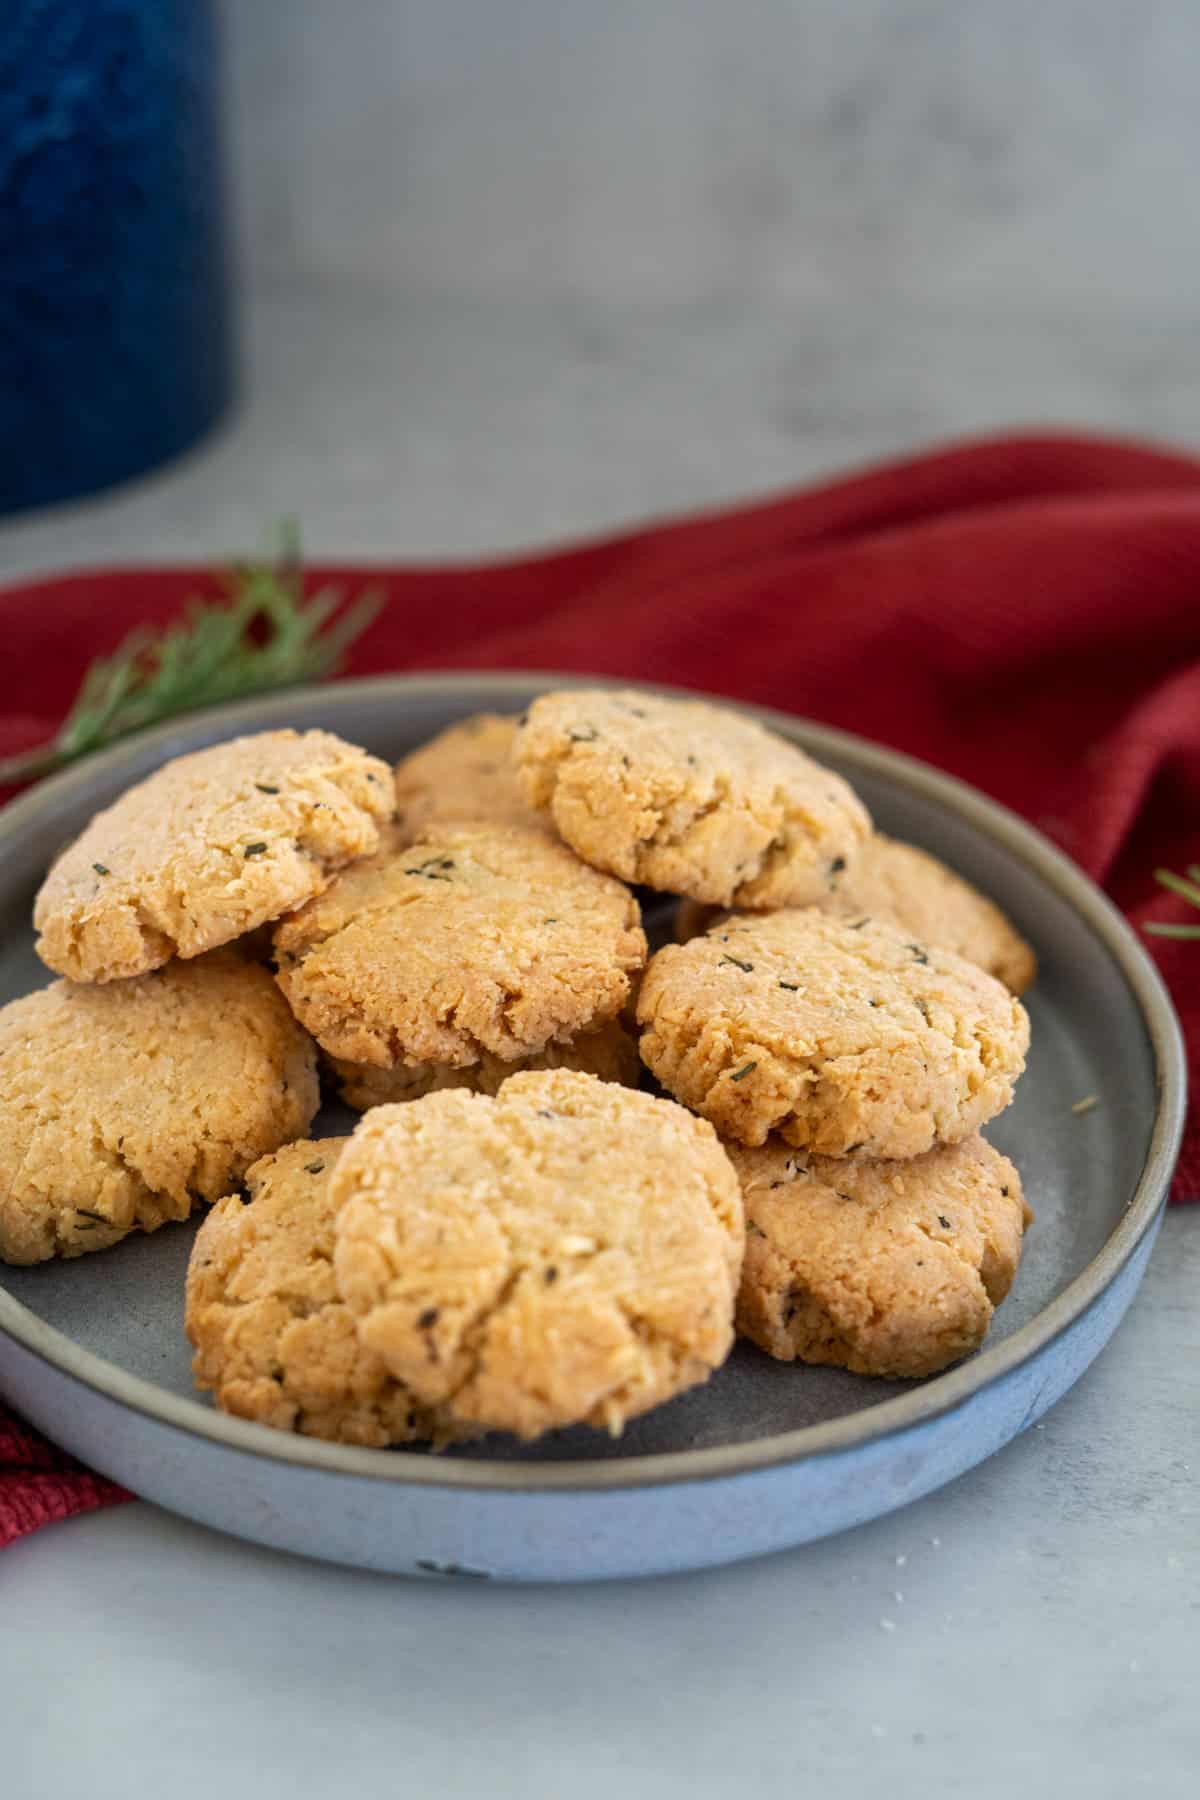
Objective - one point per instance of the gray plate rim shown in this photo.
(941, 1395)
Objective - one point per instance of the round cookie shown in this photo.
(920, 896)
(466, 772)
(845, 1037)
(209, 847)
(880, 1267)
(688, 797)
(123, 1106)
(274, 1341)
(480, 938)
(608, 1052)
(565, 1253)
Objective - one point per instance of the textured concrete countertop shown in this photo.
(1037, 1624)
(416, 429)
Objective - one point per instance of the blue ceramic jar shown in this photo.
(115, 331)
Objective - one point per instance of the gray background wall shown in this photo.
(519, 270)
(1024, 151)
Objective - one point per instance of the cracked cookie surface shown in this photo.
(123, 1106)
(466, 772)
(567, 1252)
(273, 1339)
(883, 1268)
(608, 1052)
(845, 1038)
(919, 895)
(208, 847)
(688, 797)
(480, 938)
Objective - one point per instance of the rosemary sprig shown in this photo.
(1189, 889)
(263, 634)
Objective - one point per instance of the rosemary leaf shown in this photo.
(262, 635)
(1190, 891)
(1178, 885)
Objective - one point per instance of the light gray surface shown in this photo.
(406, 428)
(1046, 1641)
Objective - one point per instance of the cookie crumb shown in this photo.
(1085, 1105)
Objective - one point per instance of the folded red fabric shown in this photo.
(40, 1484)
(1023, 612)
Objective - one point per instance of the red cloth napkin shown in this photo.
(1023, 612)
(40, 1484)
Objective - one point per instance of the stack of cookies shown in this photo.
(514, 1237)
(842, 1008)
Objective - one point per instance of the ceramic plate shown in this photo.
(765, 1455)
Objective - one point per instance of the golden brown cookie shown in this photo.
(274, 1341)
(608, 1052)
(209, 847)
(466, 772)
(920, 896)
(688, 797)
(564, 1253)
(847, 1038)
(881, 1267)
(481, 938)
(122, 1106)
